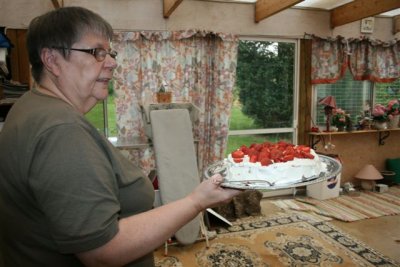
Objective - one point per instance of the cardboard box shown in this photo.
(326, 189)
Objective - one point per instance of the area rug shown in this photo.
(348, 208)
(293, 240)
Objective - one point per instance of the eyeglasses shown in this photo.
(99, 53)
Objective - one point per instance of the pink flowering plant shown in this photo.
(339, 117)
(393, 108)
(379, 113)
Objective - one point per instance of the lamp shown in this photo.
(368, 174)
(329, 103)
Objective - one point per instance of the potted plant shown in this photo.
(379, 117)
(393, 111)
(340, 119)
(163, 96)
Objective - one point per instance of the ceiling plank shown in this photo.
(56, 4)
(267, 8)
(170, 6)
(360, 9)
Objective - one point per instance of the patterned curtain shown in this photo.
(198, 67)
(375, 61)
(367, 59)
(328, 59)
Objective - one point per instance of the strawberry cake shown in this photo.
(273, 163)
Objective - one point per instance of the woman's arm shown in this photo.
(144, 232)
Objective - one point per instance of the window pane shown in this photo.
(112, 125)
(96, 117)
(235, 141)
(387, 91)
(263, 93)
(264, 84)
(351, 96)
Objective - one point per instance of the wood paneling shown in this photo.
(267, 8)
(170, 6)
(305, 92)
(20, 68)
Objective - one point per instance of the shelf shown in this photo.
(316, 137)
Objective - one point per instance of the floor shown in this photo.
(382, 234)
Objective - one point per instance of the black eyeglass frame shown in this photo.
(96, 52)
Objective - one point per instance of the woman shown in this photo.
(67, 196)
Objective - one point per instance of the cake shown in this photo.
(274, 163)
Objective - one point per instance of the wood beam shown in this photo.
(267, 8)
(359, 9)
(170, 6)
(56, 4)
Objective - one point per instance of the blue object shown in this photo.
(5, 42)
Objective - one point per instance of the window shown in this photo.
(351, 96)
(103, 117)
(356, 98)
(264, 107)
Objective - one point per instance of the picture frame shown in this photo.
(367, 25)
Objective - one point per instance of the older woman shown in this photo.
(67, 196)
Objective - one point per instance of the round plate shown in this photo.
(333, 167)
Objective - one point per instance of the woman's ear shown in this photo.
(50, 58)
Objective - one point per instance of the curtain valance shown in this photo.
(367, 59)
(170, 35)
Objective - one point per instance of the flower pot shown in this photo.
(380, 125)
(164, 97)
(394, 122)
(340, 128)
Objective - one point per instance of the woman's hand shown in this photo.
(210, 193)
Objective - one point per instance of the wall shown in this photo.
(236, 18)
(358, 149)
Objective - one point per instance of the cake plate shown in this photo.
(333, 168)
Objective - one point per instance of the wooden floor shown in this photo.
(382, 234)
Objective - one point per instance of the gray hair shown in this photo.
(62, 28)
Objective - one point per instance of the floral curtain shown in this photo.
(328, 59)
(198, 67)
(375, 61)
(367, 59)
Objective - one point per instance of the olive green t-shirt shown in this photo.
(63, 186)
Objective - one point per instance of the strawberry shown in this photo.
(265, 162)
(237, 160)
(237, 154)
(253, 158)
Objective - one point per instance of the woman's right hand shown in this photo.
(210, 193)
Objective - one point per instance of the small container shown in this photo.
(164, 97)
(388, 178)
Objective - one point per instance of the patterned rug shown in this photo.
(292, 240)
(366, 205)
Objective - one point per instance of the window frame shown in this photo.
(296, 80)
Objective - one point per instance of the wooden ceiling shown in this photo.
(353, 11)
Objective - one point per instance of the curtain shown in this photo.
(367, 59)
(328, 59)
(198, 67)
(374, 61)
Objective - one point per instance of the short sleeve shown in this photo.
(74, 184)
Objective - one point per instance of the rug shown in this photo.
(292, 240)
(348, 208)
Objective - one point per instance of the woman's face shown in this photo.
(84, 80)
